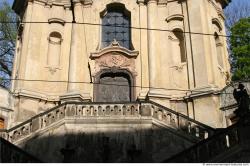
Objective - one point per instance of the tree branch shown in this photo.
(5, 67)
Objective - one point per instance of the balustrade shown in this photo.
(180, 122)
(79, 110)
(209, 148)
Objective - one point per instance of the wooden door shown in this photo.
(113, 87)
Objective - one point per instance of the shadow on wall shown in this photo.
(150, 145)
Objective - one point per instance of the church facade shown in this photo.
(169, 52)
(121, 51)
(117, 80)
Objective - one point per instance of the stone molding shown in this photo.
(114, 47)
(156, 93)
(159, 2)
(217, 22)
(177, 17)
(75, 96)
(219, 10)
(35, 95)
(6, 109)
(203, 92)
(56, 20)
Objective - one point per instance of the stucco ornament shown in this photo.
(114, 56)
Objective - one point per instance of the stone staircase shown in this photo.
(137, 110)
(134, 112)
(228, 145)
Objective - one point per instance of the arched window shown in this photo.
(2, 123)
(219, 49)
(54, 50)
(180, 44)
(116, 23)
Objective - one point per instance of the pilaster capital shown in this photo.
(84, 2)
(151, 1)
(29, 2)
(141, 2)
(88, 2)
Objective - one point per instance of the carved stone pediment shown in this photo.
(114, 56)
(114, 47)
(176, 17)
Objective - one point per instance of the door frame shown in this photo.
(114, 71)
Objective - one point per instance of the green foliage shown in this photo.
(8, 33)
(240, 47)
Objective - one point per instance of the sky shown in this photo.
(10, 1)
(234, 2)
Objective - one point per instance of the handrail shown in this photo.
(209, 148)
(36, 116)
(182, 115)
(151, 109)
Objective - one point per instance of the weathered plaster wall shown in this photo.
(167, 69)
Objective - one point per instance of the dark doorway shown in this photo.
(113, 87)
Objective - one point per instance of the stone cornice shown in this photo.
(160, 2)
(19, 5)
(218, 9)
(224, 3)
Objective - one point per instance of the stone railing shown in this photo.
(208, 149)
(91, 110)
(69, 110)
(180, 122)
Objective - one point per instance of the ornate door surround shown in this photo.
(114, 65)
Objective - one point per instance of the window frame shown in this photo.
(119, 8)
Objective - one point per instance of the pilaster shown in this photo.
(77, 62)
(143, 50)
(152, 43)
(21, 68)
